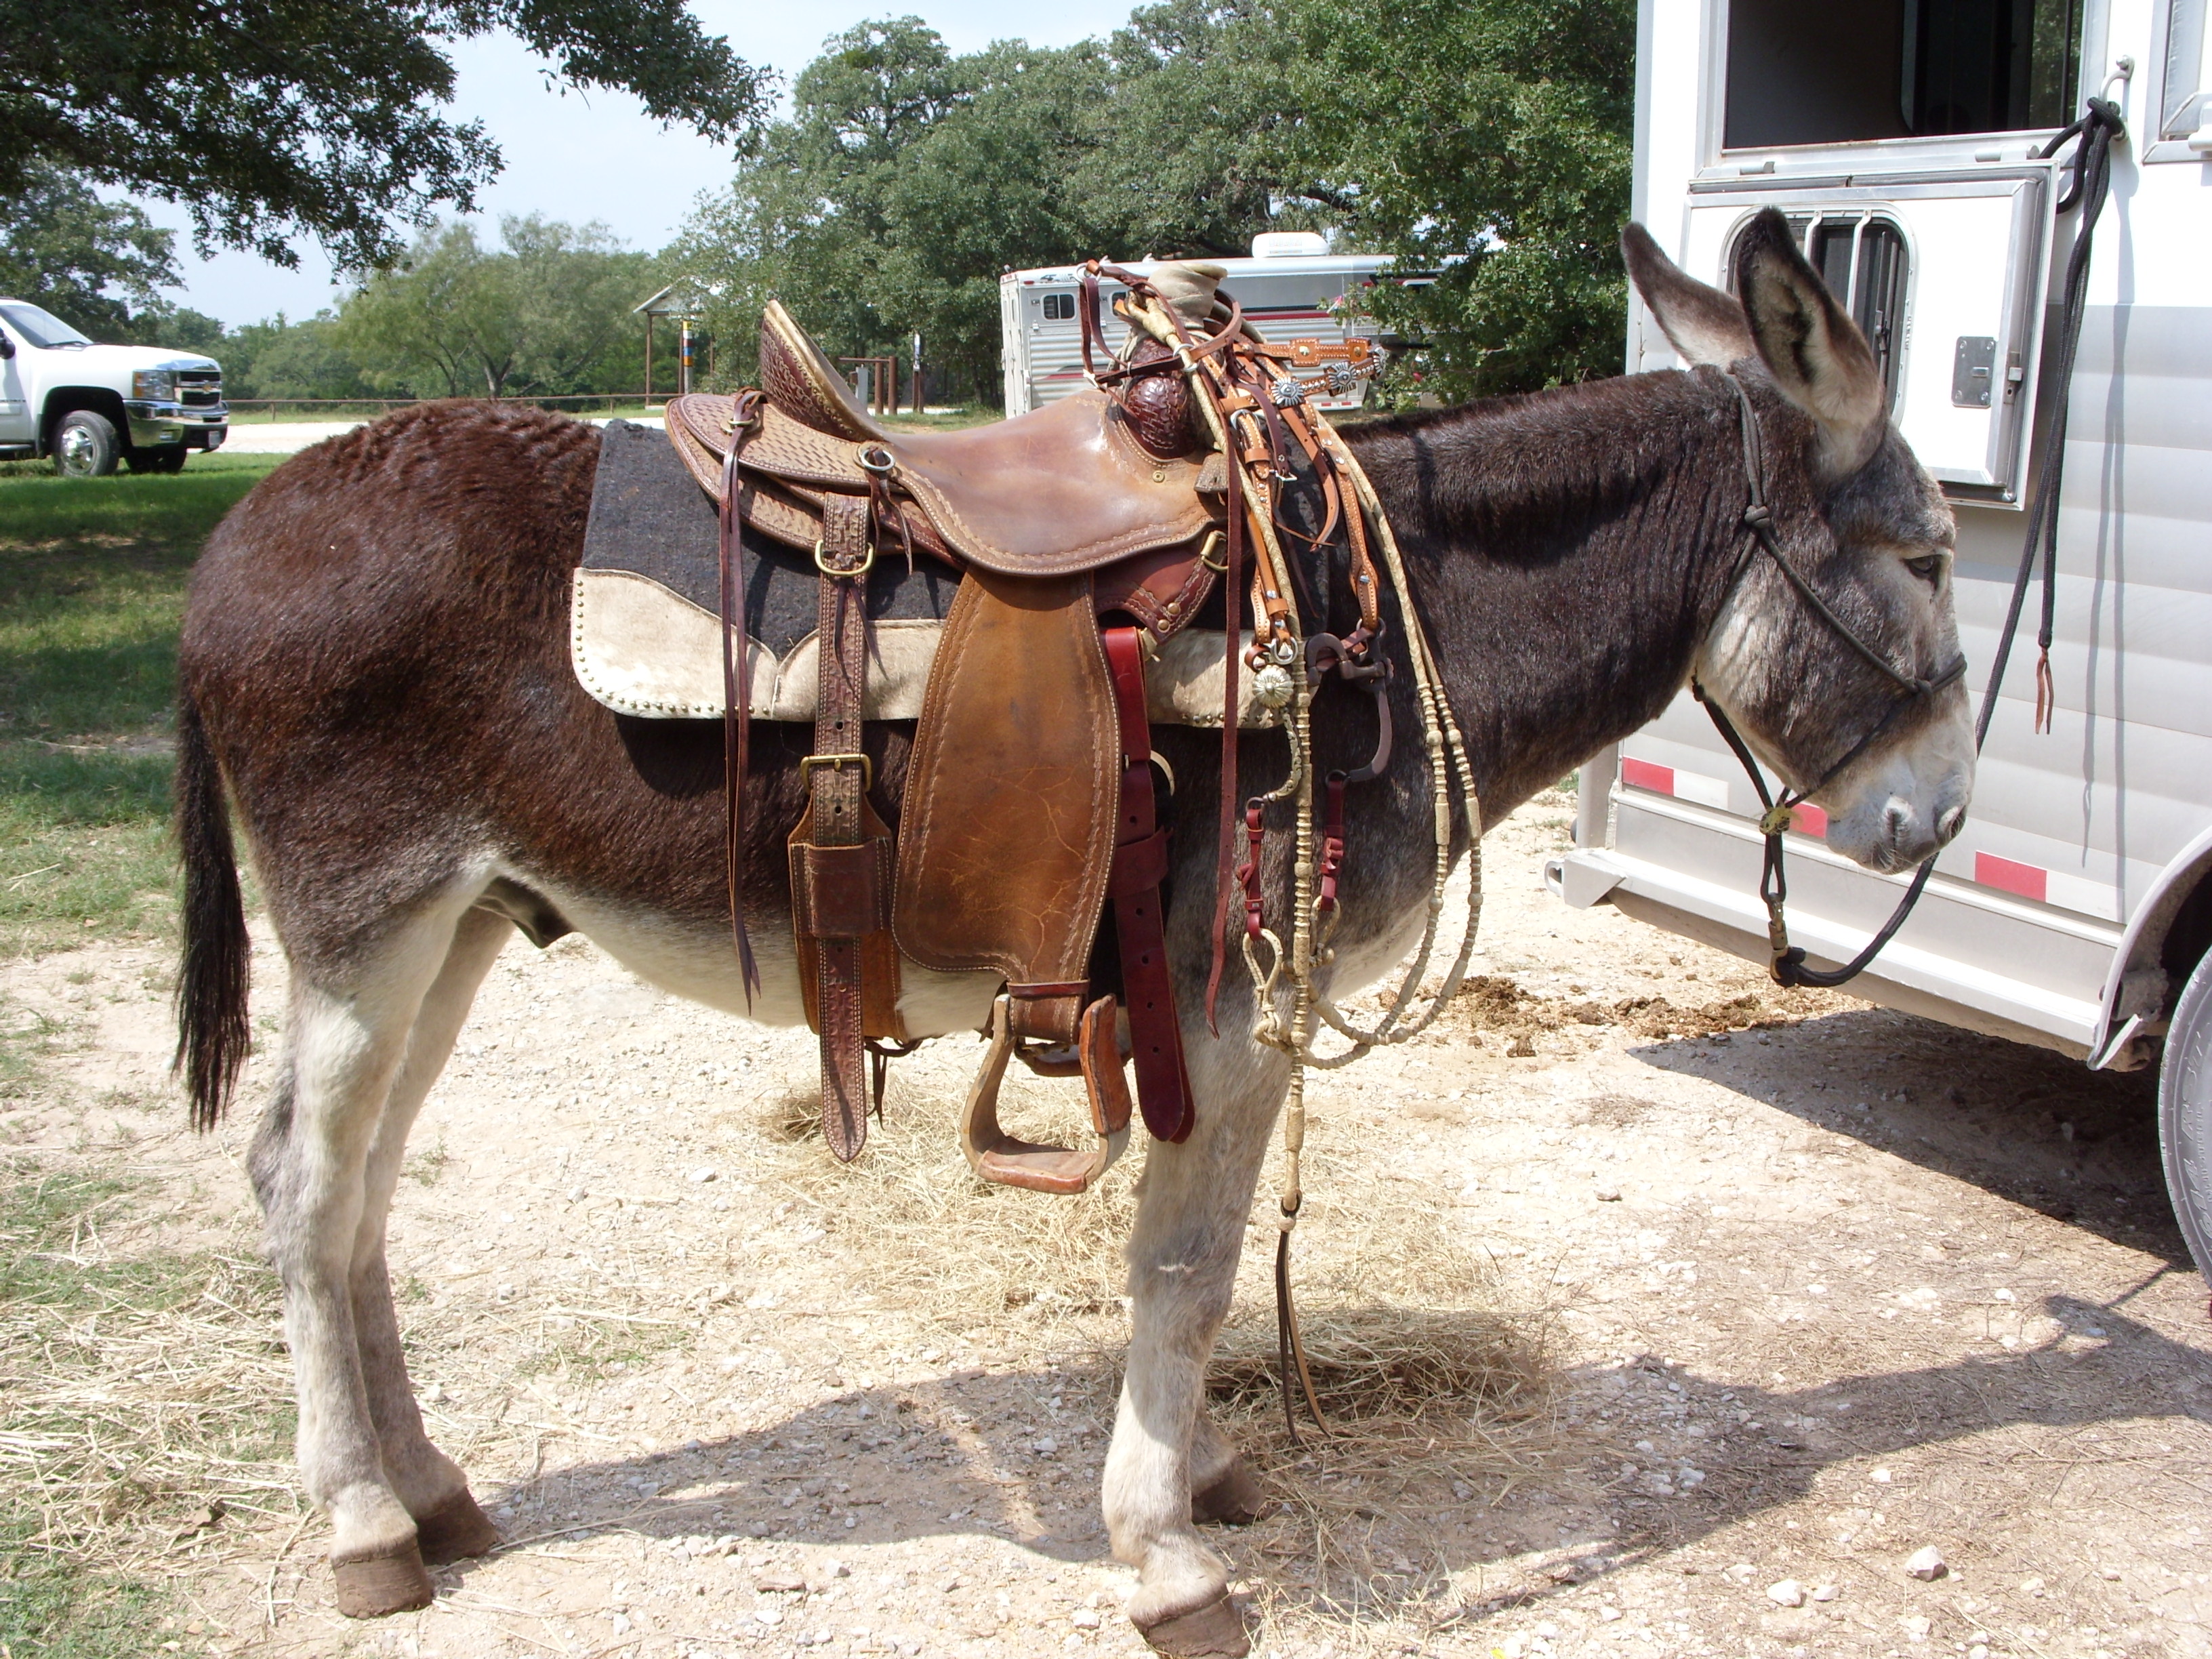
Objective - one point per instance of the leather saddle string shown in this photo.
(737, 687)
(1225, 874)
(1089, 310)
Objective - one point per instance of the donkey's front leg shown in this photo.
(345, 1036)
(1182, 1269)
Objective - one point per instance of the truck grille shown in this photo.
(199, 388)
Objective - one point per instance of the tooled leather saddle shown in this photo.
(1083, 532)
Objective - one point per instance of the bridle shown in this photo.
(1787, 963)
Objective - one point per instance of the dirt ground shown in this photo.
(1661, 1313)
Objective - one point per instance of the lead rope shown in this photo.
(2100, 125)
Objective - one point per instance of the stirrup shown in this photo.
(998, 1157)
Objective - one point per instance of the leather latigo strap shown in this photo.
(837, 877)
(1140, 865)
(737, 688)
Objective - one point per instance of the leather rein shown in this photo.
(1788, 960)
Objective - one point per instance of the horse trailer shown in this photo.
(1904, 142)
(1292, 288)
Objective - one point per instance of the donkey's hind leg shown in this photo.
(448, 1524)
(346, 1035)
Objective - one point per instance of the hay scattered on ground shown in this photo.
(147, 1409)
(1436, 1374)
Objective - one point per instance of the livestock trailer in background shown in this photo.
(1900, 138)
(1292, 289)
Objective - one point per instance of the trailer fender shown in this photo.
(2166, 939)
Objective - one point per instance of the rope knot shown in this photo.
(1756, 517)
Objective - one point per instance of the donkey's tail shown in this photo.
(212, 1031)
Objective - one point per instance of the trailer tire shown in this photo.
(2184, 1114)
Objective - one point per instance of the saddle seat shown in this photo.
(1061, 490)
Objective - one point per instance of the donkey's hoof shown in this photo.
(1235, 1499)
(1217, 1628)
(374, 1585)
(454, 1530)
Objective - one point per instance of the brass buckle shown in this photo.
(834, 761)
(867, 561)
(1211, 544)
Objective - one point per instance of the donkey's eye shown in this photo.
(1928, 568)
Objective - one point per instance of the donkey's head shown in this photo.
(1856, 517)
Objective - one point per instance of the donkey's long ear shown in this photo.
(1820, 359)
(1702, 324)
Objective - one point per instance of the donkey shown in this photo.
(376, 683)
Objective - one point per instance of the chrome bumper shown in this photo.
(154, 424)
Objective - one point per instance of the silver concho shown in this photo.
(1287, 393)
(1340, 378)
(1272, 685)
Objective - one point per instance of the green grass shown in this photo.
(92, 584)
(53, 1608)
(39, 507)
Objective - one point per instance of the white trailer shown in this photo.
(2074, 909)
(1292, 289)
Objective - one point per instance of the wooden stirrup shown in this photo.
(998, 1157)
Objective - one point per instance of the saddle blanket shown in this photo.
(644, 628)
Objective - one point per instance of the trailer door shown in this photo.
(1946, 277)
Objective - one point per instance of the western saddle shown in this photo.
(1085, 533)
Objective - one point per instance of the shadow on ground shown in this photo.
(2024, 1124)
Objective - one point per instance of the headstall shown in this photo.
(1787, 961)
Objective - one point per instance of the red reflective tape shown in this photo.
(1643, 774)
(2006, 876)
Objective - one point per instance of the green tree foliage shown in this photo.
(1483, 143)
(1486, 141)
(547, 313)
(268, 118)
(907, 179)
(94, 265)
(276, 358)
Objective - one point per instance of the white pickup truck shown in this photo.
(90, 406)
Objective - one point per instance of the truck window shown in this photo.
(41, 328)
(1869, 70)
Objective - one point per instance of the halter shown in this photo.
(1787, 965)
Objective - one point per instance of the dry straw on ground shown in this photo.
(146, 1415)
(1428, 1371)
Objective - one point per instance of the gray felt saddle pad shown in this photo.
(650, 518)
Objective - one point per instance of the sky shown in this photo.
(580, 157)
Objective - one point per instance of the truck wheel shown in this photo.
(85, 445)
(2184, 1114)
(164, 458)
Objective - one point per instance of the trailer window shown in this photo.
(1862, 258)
(2183, 97)
(1059, 307)
(1861, 71)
